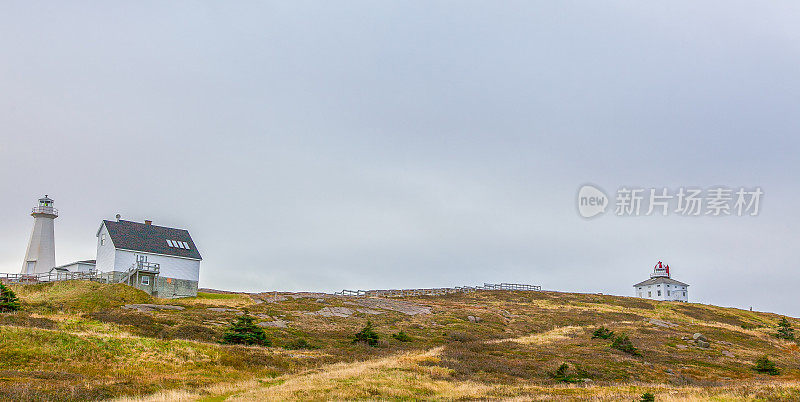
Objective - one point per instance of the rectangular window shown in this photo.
(186, 245)
(146, 280)
(668, 293)
(659, 293)
(169, 243)
(103, 239)
(684, 294)
(649, 294)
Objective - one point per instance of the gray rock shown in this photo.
(151, 307)
(369, 311)
(404, 307)
(681, 346)
(273, 324)
(222, 309)
(703, 344)
(473, 318)
(343, 312)
(699, 337)
(662, 323)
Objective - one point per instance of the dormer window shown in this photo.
(178, 244)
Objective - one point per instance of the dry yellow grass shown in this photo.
(554, 335)
(510, 353)
(405, 376)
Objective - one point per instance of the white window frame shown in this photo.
(145, 281)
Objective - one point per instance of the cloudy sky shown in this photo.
(376, 144)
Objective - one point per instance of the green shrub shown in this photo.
(300, 343)
(242, 331)
(8, 300)
(602, 333)
(785, 330)
(562, 374)
(623, 343)
(461, 336)
(367, 335)
(402, 337)
(765, 365)
(648, 397)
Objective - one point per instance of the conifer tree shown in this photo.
(785, 330)
(8, 300)
(244, 332)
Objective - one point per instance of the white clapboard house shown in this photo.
(661, 286)
(160, 260)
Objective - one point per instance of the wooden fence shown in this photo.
(54, 276)
(437, 291)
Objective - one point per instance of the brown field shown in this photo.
(73, 341)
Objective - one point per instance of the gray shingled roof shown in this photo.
(660, 279)
(137, 236)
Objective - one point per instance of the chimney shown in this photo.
(146, 222)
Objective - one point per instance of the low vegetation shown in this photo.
(243, 331)
(8, 299)
(623, 342)
(602, 333)
(564, 374)
(79, 341)
(766, 366)
(402, 337)
(367, 335)
(785, 330)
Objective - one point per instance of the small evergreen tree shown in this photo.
(602, 333)
(8, 300)
(367, 335)
(767, 366)
(562, 374)
(623, 343)
(242, 331)
(785, 330)
(648, 397)
(402, 337)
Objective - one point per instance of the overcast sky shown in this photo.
(329, 145)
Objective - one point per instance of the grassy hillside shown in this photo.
(74, 340)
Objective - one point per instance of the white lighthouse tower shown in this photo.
(41, 254)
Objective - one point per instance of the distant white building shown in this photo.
(85, 266)
(661, 286)
(160, 260)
